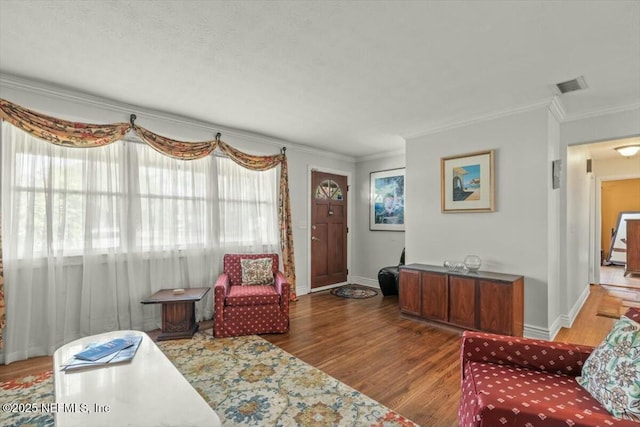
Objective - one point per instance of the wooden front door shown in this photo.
(328, 229)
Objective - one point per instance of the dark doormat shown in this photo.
(354, 291)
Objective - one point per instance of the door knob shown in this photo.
(314, 238)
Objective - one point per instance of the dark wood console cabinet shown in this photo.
(484, 301)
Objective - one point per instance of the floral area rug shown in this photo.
(354, 291)
(22, 401)
(248, 382)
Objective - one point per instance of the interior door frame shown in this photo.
(315, 168)
(596, 223)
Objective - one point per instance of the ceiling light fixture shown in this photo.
(628, 150)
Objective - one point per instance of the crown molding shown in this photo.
(603, 112)
(482, 118)
(554, 104)
(66, 94)
(557, 109)
(381, 155)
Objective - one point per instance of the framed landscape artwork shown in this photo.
(387, 200)
(467, 182)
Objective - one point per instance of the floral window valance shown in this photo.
(61, 132)
(86, 135)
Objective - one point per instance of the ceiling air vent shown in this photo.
(571, 85)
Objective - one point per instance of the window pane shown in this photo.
(54, 189)
(248, 206)
(175, 201)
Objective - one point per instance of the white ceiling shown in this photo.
(351, 77)
(607, 150)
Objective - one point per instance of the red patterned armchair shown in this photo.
(525, 382)
(245, 309)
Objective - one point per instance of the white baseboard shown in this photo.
(326, 288)
(300, 291)
(536, 332)
(566, 321)
(562, 321)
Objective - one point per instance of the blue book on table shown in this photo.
(124, 355)
(102, 350)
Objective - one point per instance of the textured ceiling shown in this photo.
(350, 77)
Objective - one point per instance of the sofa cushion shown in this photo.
(515, 396)
(612, 373)
(257, 271)
(252, 295)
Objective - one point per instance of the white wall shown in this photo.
(604, 127)
(74, 106)
(578, 197)
(375, 249)
(513, 239)
(554, 240)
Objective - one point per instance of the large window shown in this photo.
(126, 197)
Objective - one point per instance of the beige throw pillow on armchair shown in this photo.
(257, 271)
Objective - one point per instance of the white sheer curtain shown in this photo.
(89, 232)
(248, 209)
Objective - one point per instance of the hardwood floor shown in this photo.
(408, 365)
(588, 328)
(614, 275)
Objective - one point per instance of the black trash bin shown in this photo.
(388, 278)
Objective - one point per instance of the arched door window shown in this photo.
(329, 189)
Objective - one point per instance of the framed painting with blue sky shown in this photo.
(468, 182)
(387, 200)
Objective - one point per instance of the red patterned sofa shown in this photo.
(525, 382)
(250, 309)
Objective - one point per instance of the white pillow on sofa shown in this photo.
(611, 374)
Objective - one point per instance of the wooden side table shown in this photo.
(178, 312)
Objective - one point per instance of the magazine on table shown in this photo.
(111, 352)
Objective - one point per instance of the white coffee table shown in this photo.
(148, 391)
